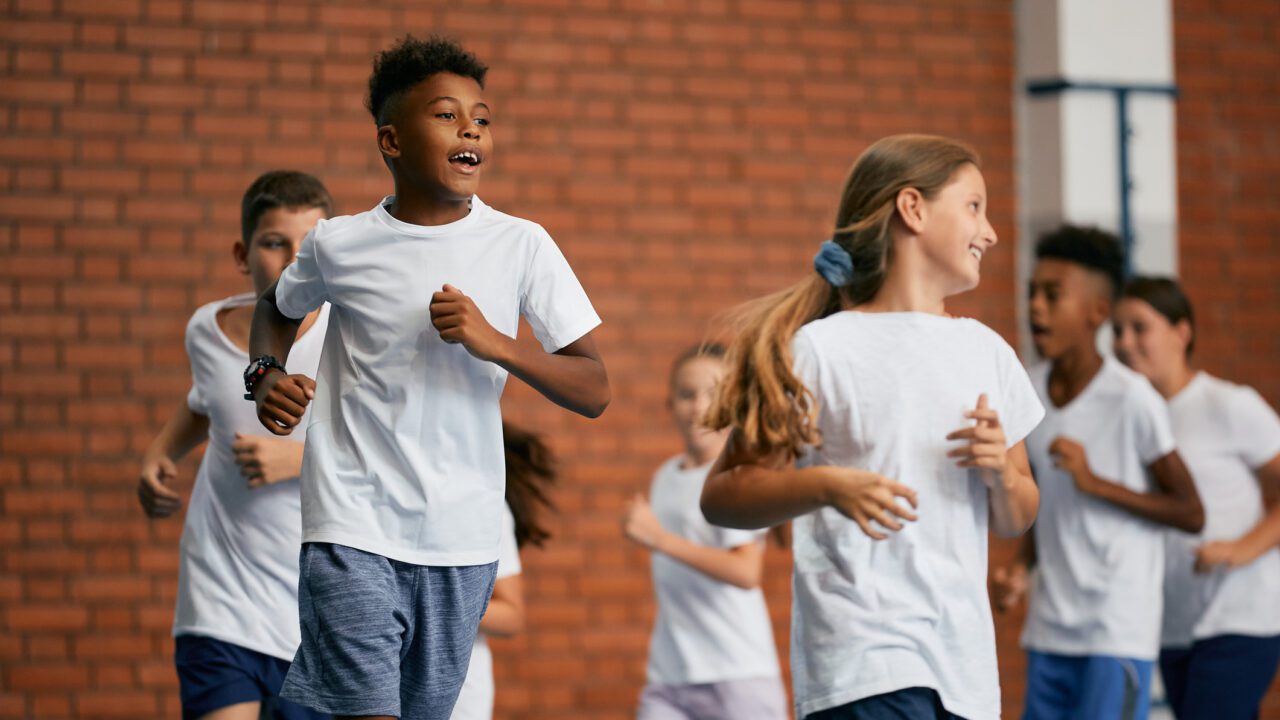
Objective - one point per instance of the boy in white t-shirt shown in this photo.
(711, 656)
(1110, 483)
(402, 482)
(234, 639)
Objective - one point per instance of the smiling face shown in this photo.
(274, 243)
(955, 233)
(693, 387)
(1146, 341)
(438, 139)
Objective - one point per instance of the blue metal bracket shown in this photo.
(1121, 93)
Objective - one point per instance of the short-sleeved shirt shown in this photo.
(1224, 433)
(404, 453)
(475, 702)
(872, 617)
(1099, 568)
(706, 630)
(238, 558)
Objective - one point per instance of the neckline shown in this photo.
(240, 300)
(1088, 387)
(1194, 382)
(413, 230)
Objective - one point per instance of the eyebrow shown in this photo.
(450, 97)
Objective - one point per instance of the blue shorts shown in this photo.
(917, 703)
(1220, 678)
(1098, 687)
(213, 674)
(384, 637)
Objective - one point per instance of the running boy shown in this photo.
(402, 481)
(236, 623)
(1111, 482)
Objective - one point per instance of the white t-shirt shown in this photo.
(1099, 569)
(1224, 432)
(872, 617)
(404, 454)
(475, 702)
(238, 567)
(706, 630)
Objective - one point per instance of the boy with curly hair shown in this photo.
(402, 479)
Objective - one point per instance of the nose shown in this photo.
(990, 233)
(471, 130)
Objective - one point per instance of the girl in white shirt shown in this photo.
(711, 655)
(1221, 633)
(907, 424)
(236, 621)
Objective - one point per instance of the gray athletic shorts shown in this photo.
(383, 637)
(750, 699)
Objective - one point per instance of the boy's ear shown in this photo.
(388, 143)
(1100, 310)
(910, 204)
(240, 252)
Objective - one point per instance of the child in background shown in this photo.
(1221, 637)
(712, 655)
(402, 480)
(530, 474)
(236, 623)
(889, 404)
(1111, 482)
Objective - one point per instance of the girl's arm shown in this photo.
(741, 566)
(505, 614)
(1262, 537)
(748, 491)
(1014, 497)
(184, 431)
(1175, 503)
(573, 377)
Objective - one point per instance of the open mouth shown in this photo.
(1038, 330)
(976, 252)
(466, 160)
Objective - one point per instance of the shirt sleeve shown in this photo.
(1022, 410)
(1149, 422)
(552, 299)
(728, 538)
(804, 363)
(301, 287)
(196, 401)
(1255, 427)
(508, 549)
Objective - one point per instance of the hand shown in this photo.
(265, 461)
(986, 448)
(1222, 554)
(460, 322)
(1008, 586)
(864, 496)
(156, 498)
(282, 399)
(639, 524)
(1069, 455)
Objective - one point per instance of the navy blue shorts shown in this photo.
(1220, 678)
(917, 703)
(384, 637)
(1098, 687)
(213, 674)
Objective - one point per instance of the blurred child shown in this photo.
(236, 622)
(711, 655)
(1111, 483)
(1221, 638)
(530, 474)
(889, 405)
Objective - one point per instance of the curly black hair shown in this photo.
(1092, 248)
(400, 67)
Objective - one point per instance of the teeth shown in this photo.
(975, 252)
(468, 156)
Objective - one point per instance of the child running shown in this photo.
(530, 474)
(907, 425)
(236, 623)
(1221, 637)
(402, 479)
(1111, 482)
(712, 655)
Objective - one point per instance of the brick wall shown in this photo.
(685, 154)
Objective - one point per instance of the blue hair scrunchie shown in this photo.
(834, 264)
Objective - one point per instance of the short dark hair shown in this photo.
(281, 188)
(402, 66)
(1090, 247)
(1166, 297)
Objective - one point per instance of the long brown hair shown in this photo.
(760, 394)
(531, 471)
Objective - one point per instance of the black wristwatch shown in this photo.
(258, 370)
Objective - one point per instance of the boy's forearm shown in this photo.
(271, 332)
(1176, 511)
(741, 569)
(181, 433)
(576, 382)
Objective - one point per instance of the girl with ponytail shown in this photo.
(892, 433)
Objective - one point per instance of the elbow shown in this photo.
(750, 579)
(598, 403)
(1193, 522)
